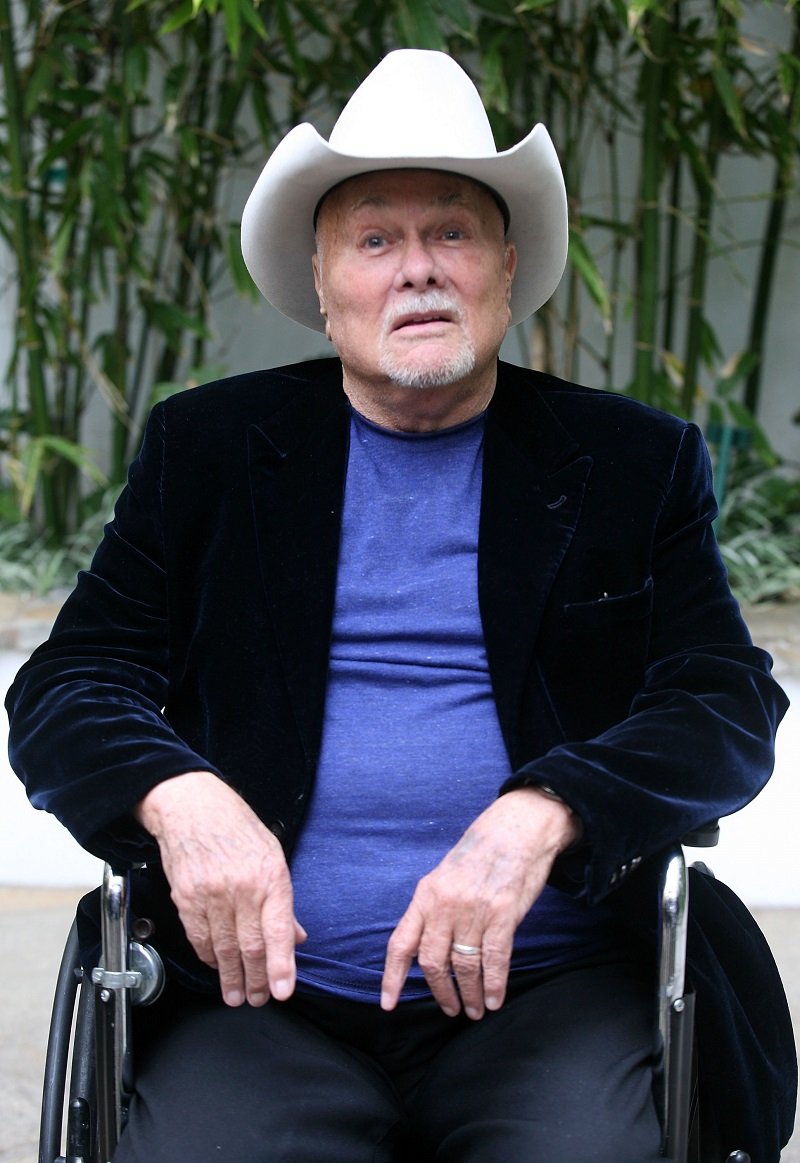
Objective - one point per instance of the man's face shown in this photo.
(413, 276)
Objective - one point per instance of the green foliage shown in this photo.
(30, 564)
(116, 146)
(760, 524)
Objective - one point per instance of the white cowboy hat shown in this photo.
(416, 110)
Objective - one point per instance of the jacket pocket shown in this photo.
(610, 609)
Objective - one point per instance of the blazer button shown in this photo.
(278, 830)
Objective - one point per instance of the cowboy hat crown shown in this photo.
(416, 110)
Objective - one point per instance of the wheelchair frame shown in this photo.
(91, 1022)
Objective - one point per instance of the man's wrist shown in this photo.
(549, 793)
(162, 796)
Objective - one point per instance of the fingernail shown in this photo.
(492, 1003)
(449, 1012)
(257, 999)
(472, 1013)
(282, 989)
(234, 998)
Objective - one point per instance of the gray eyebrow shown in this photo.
(455, 198)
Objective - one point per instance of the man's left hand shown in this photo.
(475, 898)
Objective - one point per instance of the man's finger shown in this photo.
(280, 926)
(496, 961)
(400, 953)
(468, 970)
(227, 955)
(253, 954)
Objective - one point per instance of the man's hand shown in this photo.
(230, 882)
(476, 897)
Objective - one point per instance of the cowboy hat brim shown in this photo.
(278, 230)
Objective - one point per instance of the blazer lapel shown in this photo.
(297, 464)
(533, 487)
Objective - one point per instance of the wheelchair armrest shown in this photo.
(706, 836)
(675, 1008)
(125, 964)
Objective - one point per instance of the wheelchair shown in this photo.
(90, 1030)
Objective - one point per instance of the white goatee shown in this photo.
(448, 369)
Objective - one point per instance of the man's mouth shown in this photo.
(421, 320)
(422, 312)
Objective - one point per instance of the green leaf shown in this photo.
(112, 150)
(239, 272)
(190, 148)
(173, 321)
(233, 25)
(195, 377)
(735, 371)
(41, 78)
(135, 66)
(460, 17)
(502, 10)
(584, 263)
(314, 20)
(286, 30)
(252, 18)
(183, 14)
(533, 5)
(65, 145)
(788, 73)
(418, 26)
(745, 419)
(34, 459)
(494, 88)
(726, 89)
(61, 244)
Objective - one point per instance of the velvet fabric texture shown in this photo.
(623, 674)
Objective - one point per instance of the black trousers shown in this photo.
(562, 1074)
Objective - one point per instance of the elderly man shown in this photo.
(392, 667)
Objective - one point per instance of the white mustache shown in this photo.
(421, 305)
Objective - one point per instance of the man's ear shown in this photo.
(316, 266)
(510, 261)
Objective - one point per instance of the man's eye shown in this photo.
(374, 241)
(453, 235)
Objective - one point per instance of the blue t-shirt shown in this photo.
(411, 750)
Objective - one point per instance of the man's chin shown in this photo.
(423, 374)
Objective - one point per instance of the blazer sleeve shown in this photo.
(88, 735)
(698, 740)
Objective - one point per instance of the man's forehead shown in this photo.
(388, 189)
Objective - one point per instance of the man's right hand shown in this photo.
(230, 883)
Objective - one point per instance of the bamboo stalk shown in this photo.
(699, 267)
(773, 231)
(705, 184)
(671, 256)
(617, 243)
(28, 267)
(648, 249)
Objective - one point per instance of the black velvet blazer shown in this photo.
(623, 674)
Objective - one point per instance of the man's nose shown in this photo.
(418, 265)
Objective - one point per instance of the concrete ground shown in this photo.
(37, 901)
